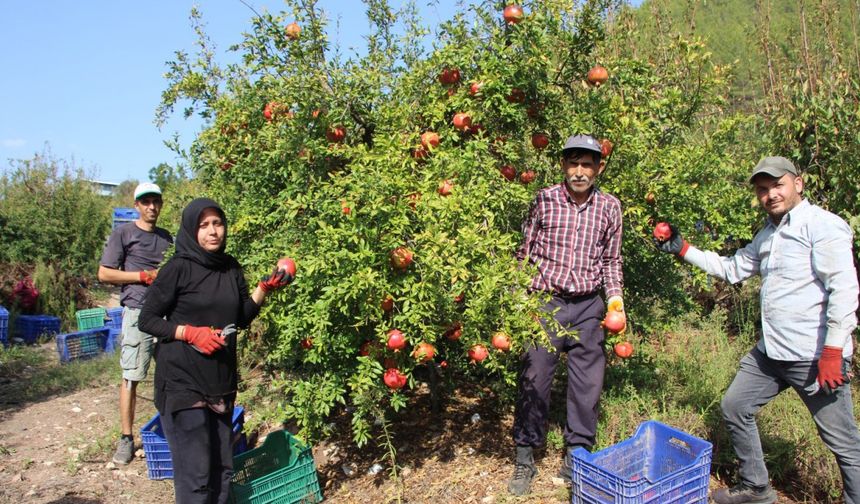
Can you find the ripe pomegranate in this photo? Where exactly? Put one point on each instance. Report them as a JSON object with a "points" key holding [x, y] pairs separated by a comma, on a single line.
{"points": [[475, 88], [449, 76], [462, 121], [513, 14], [615, 322], [650, 198], [387, 304], [540, 141], [527, 177], [459, 298], [445, 187], [424, 352], [400, 258], [662, 231], [307, 343], [597, 76], [429, 140], [454, 331], [288, 264], [605, 148], [420, 153], [335, 134], [501, 341], [394, 379], [413, 199], [396, 340], [271, 110], [475, 129], [293, 31], [516, 96], [508, 172], [364, 349], [478, 353], [623, 349]]}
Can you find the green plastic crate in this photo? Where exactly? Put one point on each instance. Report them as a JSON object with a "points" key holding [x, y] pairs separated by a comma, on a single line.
{"points": [[280, 471], [91, 319]]}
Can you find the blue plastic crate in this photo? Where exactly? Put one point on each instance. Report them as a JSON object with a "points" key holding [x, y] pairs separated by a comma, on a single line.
{"points": [[113, 318], [82, 344], [125, 213], [4, 326], [658, 464], [113, 341], [159, 462], [30, 327]]}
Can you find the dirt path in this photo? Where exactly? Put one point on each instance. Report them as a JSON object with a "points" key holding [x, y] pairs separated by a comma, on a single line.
{"points": [[56, 454]]}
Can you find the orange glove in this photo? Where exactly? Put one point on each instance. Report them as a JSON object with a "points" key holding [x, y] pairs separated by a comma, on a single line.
{"points": [[204, 339], [147, 277], [615, 303], [830, 368]]}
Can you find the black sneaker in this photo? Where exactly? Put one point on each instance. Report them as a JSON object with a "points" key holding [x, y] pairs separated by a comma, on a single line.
{"points": [[740, 494], [521, 481]]}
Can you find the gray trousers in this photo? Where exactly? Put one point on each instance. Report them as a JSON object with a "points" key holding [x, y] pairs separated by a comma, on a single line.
{"points": [[586, 364], [758, 381]]}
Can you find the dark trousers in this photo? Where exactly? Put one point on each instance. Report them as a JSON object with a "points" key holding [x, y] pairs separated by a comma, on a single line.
{"points": [[586, 364], [199, 441]]}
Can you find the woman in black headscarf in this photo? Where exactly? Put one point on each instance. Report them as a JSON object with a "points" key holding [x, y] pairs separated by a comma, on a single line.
{"points": [[192, 309]]}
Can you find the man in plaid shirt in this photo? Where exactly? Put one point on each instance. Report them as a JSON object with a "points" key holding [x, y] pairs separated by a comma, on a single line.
{"points": [[573, 236]]}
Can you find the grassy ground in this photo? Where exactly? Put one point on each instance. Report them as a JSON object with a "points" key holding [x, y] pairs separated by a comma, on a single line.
{"points": [[677, 375]]}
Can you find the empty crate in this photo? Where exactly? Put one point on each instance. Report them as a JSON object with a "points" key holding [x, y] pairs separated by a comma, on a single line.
{"points": [[658, 464], [4, 326], [30, 327], [91, 318], [123, 215], [114, 339], [113, 318], [280, 470], [81, 344], [159, 462]]}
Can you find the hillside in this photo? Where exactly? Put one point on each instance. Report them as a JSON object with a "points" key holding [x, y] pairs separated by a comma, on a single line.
{"points": [[744, 33]]}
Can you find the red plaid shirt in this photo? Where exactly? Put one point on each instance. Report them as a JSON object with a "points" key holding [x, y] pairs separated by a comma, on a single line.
{"points": [[577, 249]]}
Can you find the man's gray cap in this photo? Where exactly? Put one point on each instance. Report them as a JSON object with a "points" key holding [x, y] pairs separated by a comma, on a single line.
{"points": [[585, 142], [775, 166]]}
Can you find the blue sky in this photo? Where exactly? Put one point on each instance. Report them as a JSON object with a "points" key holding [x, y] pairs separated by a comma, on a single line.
{"points": [[84, 77]]}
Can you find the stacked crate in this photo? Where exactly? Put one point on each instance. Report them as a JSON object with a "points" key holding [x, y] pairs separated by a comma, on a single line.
{"points": [[658, 465], [113, 322], [4, 326], [159, 461], [30, 327], [82, 344], [91, 318], [124, 215]]}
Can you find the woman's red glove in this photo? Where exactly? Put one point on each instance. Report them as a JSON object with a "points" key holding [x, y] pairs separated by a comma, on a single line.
{"points": [[278, 279], [204, 339]]}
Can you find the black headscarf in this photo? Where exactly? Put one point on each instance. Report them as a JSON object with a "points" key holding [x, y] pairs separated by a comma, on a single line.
{"points": [[186, 239]]}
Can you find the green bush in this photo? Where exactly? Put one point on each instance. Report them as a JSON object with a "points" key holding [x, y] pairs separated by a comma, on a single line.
{"points": [[49, 212]]}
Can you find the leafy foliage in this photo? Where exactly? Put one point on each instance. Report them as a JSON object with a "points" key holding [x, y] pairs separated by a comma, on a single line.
{"points": [[292, 187], [50, 213]]}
